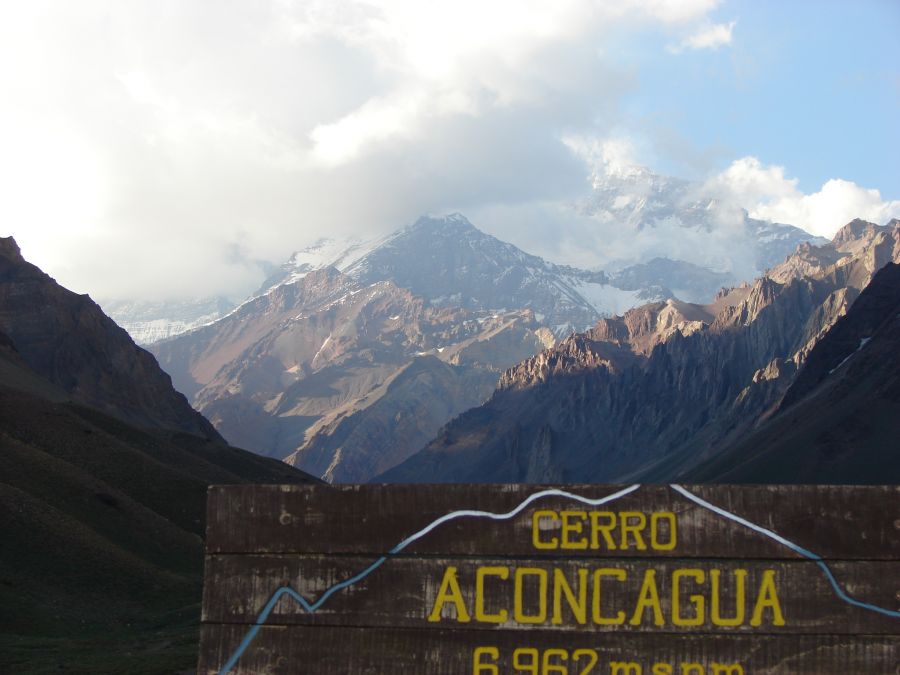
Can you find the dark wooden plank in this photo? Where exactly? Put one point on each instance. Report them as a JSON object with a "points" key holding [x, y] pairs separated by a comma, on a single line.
{"points": [[833, 522], [404, 591], [358, 651], [265, 538]]}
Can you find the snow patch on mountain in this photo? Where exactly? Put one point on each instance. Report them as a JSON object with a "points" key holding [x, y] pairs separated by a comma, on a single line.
{"points": [[148, 322], [862, 343], [609, 300], [337, 252]]}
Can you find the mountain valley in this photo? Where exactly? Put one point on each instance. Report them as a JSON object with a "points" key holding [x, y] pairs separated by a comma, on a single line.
{"points": [[355, 353]]}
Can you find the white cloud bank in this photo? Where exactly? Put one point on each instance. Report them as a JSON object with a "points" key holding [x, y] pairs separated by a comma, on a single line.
{"points": [[634, 214], [163, 149], [160, 149], [768, 194]]}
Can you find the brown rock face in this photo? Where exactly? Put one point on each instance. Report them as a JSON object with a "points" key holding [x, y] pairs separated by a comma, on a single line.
{"points": [[663, 388], [839, 420], [67, 339], [365, 437], [345, 379]]}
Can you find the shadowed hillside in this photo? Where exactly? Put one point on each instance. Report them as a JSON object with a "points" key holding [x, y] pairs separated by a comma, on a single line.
{"points": [[101, 555], [838, 422]]}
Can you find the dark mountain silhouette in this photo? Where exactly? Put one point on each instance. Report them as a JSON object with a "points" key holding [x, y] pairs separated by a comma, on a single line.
{"points": [[67, 339], [102, 490]]}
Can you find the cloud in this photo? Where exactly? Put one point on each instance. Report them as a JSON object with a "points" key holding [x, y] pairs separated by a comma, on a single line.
{"points": [[634, 214], [143, 147], [631, 215], [710, 36], [768, 194], [609, 156]]}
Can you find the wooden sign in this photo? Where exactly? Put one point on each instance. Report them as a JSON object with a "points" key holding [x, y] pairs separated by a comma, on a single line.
{"points": [[574, 580]]}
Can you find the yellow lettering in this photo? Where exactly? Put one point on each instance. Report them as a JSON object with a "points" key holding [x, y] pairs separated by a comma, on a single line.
{"points": [[632, 526], [552, 542], [663, 669], [622, 668], [591, 660], [480, 613], [449, 593], [648, 599], [518, 605], [655, 543], [547, 668], [727, 669], [695, 668], [479, 667], [740, 578], [572, 523], [767, 598], [605, 529], [598, 617], [561, 587], [696, 600], [635, 528], [531, 664]]}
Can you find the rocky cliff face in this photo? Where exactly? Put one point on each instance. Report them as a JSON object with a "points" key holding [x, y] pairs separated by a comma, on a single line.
{"points": [[68, 340], [367, 436], [667, 385], [345, 377], [839, 420]]}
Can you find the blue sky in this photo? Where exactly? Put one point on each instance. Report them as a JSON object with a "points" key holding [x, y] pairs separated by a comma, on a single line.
{"points": [[810, 85], [160, 148]]}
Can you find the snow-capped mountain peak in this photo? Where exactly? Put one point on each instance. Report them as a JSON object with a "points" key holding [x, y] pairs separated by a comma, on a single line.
{"points": [[451, 263], [337, 252], [333, 252]]}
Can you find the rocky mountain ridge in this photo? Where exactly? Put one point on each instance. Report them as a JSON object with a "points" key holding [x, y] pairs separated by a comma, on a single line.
{"points": [[68, 340], [688, 242], [322, 356], [838, 420], [451, 263], [318, 367], [448, 261], [104, 470], [665, 380]]}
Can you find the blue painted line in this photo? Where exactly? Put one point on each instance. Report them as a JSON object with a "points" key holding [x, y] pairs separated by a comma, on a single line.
{"points": [[511, 514], [312, 607], [791, 545]]}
